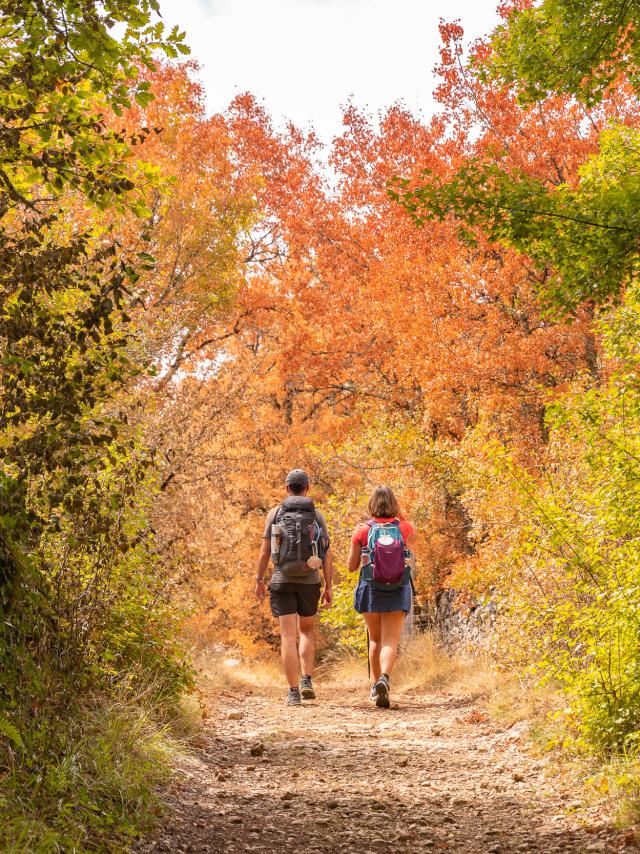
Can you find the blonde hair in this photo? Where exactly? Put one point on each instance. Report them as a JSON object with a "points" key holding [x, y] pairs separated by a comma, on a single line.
{"points": [[383, 504]]}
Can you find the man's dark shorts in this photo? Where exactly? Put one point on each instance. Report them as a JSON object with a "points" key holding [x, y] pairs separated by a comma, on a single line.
{"points": [[293, 598]]}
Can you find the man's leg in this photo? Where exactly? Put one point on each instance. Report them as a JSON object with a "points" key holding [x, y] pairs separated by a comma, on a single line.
{"points": [[374, 626], [289, 647], [307, 628], [391, 629]]}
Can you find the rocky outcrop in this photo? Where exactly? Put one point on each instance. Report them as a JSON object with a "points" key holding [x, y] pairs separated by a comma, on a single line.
{"points": [[457, 624]]}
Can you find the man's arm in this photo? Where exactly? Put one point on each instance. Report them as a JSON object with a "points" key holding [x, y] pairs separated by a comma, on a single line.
{"points": [[263, 563], [327, 571]]}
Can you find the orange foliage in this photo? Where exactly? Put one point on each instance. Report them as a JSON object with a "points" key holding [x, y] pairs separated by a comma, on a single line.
{"points": [[295, 305]]}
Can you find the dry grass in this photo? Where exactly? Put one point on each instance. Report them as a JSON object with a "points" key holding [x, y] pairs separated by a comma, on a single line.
{"points": [[424, 665], [228, 671], [348, 671], [514, 699], [506, 697], [421, 665]]}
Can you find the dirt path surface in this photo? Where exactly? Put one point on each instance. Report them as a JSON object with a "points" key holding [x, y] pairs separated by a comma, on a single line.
{"points": [[338, 775]]}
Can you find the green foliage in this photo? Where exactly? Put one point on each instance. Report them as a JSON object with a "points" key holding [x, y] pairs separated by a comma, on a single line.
{"points": [[63, 290], [347, 626], [571, 577], [87, 782], [84, 605], [11, 733], [60, 65], [621, 778], [571, 47], [571, 525], [584, 237]]}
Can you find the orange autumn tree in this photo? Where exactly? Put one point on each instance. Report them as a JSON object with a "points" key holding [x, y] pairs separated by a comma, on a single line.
{"points": [[341, 337]]}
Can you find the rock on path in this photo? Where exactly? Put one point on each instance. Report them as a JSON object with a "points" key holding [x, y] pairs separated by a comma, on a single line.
{"points": [[338, 775]]}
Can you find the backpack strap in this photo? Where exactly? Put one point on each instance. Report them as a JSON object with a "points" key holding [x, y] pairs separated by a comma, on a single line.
{"points": [[319, 530], [299, 539], [368, 549], [396, 522]]}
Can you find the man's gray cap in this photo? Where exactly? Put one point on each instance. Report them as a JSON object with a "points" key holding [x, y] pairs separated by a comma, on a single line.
{"points": [[297, 477]]}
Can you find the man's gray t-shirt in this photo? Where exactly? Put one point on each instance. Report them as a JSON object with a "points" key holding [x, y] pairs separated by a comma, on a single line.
{"points": [[305, 576]]}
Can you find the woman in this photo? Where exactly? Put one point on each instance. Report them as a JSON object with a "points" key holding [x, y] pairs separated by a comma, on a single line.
{"points": [[383, 610]]}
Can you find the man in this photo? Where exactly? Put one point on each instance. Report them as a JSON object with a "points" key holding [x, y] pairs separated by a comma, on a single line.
{"points": [[296, 539]]}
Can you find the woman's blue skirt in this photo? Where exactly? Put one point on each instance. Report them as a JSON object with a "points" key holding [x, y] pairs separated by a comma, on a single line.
{"points": [[369, 600]]}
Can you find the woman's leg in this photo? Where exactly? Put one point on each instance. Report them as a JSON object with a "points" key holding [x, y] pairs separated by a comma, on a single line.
{"points": [[373, 625], [391, 623]]}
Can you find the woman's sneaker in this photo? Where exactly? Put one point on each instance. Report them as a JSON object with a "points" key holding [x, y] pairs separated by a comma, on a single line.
{"points": [[306, 688], [293, 697], [382, 692]]}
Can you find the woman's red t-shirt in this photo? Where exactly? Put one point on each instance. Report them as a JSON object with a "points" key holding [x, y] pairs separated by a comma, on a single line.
{"points": [[361, 533]]}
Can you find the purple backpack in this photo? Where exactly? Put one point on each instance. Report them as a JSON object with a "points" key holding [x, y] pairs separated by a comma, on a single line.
{"points": [[386, 553]]}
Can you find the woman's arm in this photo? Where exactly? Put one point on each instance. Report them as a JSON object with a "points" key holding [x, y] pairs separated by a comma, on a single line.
{"points": [[355, 555]]}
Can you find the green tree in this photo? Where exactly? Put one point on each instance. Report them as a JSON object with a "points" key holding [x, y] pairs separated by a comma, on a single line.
{"points": [[584, 234], [80, 596], [62, 287], [574, 48], [569, 570], [584, 237], [61, 63], [569, 575]]}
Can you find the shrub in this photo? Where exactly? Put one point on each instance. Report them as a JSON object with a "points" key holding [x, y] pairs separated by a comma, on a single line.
{"points": [[569, 575]]}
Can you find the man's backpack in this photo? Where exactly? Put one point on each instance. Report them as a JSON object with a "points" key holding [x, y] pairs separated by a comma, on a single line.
{"points": [[297, 536], [386, 555]]}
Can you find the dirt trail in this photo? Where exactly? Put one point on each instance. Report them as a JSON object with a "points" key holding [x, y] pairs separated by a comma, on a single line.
{"points": [[338, 775]]}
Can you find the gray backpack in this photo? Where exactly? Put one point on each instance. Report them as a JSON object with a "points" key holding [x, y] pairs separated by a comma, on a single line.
{"points": [[296, 535]]}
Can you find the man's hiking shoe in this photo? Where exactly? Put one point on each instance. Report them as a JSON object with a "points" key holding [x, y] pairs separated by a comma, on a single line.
{"points": [[293, 697], [382, 692], [373, 696], [306, 688]]}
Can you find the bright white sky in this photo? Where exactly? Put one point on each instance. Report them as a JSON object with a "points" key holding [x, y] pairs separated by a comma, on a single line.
{"points": [[307, 58]]}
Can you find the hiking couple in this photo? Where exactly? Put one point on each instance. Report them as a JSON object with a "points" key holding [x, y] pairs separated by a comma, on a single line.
{"points": [[297, 541]]}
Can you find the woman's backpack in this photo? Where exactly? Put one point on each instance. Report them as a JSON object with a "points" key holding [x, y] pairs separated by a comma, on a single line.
{"points": [[297, 536], [386, 554]]}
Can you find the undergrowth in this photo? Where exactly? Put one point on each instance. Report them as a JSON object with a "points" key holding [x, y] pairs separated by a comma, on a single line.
{"points": [[92, 779]]}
